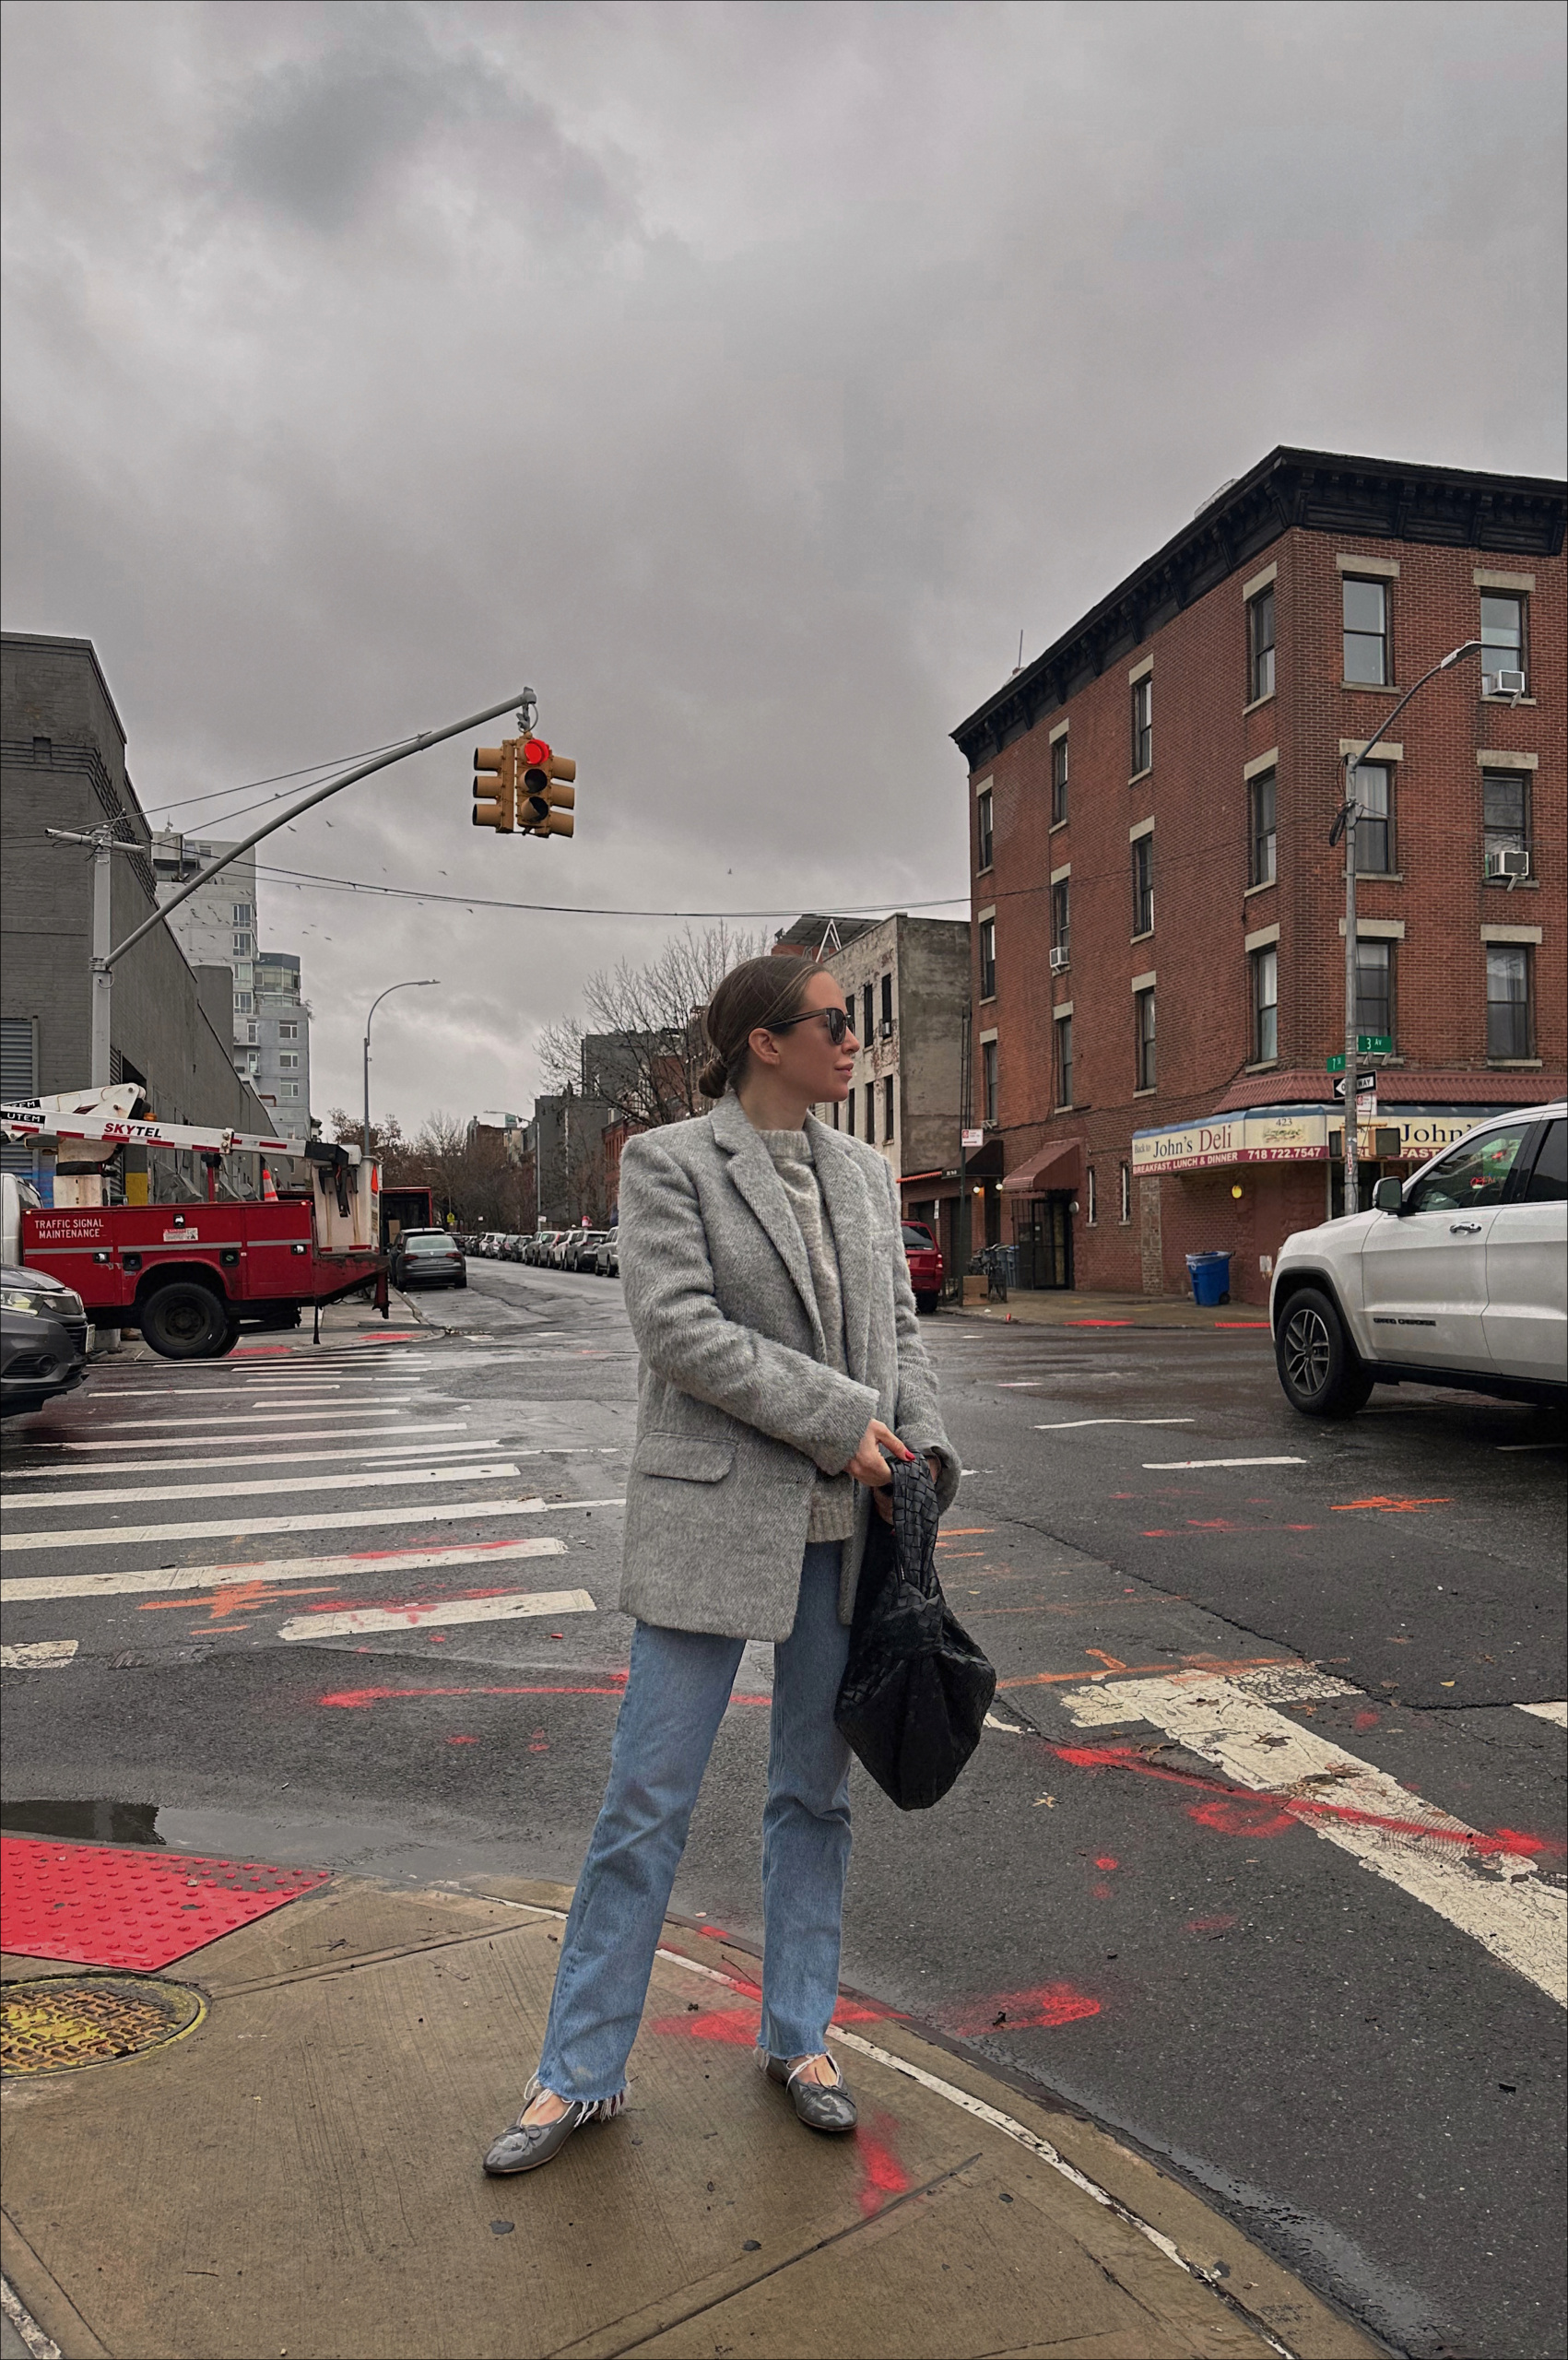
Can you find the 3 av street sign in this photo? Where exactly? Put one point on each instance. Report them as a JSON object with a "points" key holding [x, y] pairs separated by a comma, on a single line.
{"points": [[1367, 1044], [1366, 1085]]}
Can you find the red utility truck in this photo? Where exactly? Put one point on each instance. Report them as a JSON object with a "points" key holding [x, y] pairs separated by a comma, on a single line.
{"points": [[189, 1276]]}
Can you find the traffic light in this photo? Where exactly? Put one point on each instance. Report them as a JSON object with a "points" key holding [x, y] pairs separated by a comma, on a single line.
{"points": [[495, 786], [548, 798]]}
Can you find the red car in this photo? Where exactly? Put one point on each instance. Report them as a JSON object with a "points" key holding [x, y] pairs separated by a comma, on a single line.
{"points": [[924, 1265]]}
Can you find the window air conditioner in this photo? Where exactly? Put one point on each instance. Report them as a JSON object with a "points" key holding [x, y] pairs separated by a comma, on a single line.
{"points": [[1503, 684], [887, 1028], [1512, 864], [1059, 958]]}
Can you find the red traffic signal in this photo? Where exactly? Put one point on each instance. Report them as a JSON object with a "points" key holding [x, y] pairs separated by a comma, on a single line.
{"points": [[548, 797]]}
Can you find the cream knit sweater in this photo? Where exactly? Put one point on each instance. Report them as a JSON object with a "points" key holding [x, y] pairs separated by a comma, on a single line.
{"points": [[833, 1502]]}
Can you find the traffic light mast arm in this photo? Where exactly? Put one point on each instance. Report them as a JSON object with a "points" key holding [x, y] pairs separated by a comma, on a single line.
{"points": [[306, 803]]}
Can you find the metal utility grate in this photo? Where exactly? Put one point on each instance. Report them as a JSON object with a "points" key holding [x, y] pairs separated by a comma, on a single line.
{"points": [[101, 1905], [55, 2026]]}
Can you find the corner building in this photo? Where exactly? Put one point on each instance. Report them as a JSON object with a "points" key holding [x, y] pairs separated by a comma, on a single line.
{"points": [[1159, 915]]}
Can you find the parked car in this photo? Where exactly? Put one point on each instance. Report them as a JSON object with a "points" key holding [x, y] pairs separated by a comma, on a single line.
{"points": [[607, 1256], [44, 1339], [924, 1265], [538, 1246], [1456, 1277], [575, 1243], [427, 1258], [511, 1248]]}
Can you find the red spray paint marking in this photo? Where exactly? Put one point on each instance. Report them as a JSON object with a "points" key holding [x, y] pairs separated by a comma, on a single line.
{"points": [[881, 2174], [1240, 1810], [1210, 1925], [359, 1699], [1039, 2009], [1107, 1862], [463, 1741], [1368, 1720], [1097, 1323], [1243, 1322], [1387, 1506]]}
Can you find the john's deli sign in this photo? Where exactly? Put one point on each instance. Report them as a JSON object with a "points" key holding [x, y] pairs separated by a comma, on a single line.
{"points": [[1278, 1134]]}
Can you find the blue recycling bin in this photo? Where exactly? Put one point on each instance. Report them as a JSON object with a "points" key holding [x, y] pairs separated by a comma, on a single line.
{"points": [[1210, 1276]]}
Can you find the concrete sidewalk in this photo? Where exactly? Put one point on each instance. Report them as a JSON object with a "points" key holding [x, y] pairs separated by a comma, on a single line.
{"points": [[1068, 1307], [297, 2174]]}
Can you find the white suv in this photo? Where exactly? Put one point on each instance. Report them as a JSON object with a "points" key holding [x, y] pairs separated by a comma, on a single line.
{"points": [[1456, 1277]]}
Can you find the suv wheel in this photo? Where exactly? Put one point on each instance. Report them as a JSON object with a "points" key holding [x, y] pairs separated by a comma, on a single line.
{"points": [[1318, 1367], [185, 1321]]}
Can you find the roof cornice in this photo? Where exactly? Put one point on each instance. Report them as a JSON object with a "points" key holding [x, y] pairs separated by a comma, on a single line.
{"points": [[1321, 491]]}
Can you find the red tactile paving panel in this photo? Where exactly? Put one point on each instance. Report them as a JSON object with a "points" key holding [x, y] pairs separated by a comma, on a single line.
{"points": [[113, 1905]]}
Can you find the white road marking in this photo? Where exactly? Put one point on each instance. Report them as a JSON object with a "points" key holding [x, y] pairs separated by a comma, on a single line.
{"points": [[1494, 1896], [460, 1610], [228, 1421], [1558, 1712], [379, 1562], [134, 1535], [1062, 1424], [372, 1480], [250, 1395], [38, 1654], [1159, 1464], [259, 1442], [1517, 1446], [262, 1457]]}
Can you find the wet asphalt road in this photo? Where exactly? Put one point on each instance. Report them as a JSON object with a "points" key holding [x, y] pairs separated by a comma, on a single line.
{"points": [[1104, 1912]]}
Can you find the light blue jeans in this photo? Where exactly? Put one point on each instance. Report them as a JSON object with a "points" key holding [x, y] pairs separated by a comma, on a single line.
{"points": [[675, 1695]]}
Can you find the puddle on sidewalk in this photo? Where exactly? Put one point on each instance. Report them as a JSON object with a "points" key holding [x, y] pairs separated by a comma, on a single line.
{"points": [[98, 1821]]}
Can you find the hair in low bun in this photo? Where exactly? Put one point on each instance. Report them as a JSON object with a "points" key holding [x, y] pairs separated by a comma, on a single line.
{"points": [[757, 993]]}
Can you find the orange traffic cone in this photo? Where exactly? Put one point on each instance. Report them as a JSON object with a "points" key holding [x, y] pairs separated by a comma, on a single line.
{"points": [[269, 1194]]}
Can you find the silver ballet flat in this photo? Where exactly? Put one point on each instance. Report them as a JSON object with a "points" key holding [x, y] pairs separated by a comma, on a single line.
{"points": [[821, 2105], [524, 2146]]}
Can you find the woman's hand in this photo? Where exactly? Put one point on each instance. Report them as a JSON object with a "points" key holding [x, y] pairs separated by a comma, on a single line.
{"points": [[868, 1466]]}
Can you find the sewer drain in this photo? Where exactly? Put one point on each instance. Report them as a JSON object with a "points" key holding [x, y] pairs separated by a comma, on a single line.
{"points": [[62, 2022]]}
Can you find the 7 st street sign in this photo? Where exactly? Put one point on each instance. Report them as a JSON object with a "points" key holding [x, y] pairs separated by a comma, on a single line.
{"points": [[1367, 1044]]}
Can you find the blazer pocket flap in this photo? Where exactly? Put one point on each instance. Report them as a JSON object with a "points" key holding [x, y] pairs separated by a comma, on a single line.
{"points": [[686, 1457]]}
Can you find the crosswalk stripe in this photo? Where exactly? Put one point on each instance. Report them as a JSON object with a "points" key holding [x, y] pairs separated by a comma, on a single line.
{"points": [[258, 1443], [32, 1588], [372, 1480], [132, 1535], [355, 1621], [1060, 1425], [1427, 1853], [228, 1419], [381, 1448], [38, 1654], [1159, 1464], [251, 1395]]}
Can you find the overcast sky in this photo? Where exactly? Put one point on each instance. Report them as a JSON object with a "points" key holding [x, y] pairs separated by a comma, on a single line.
{"points": [[744, 378]]}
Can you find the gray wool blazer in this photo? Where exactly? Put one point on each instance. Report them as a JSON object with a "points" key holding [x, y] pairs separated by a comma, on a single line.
{"points": [[737, 1407]]}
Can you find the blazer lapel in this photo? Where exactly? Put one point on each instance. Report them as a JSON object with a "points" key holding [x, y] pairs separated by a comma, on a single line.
{"points": [[844, 1193], [751, 1169]]}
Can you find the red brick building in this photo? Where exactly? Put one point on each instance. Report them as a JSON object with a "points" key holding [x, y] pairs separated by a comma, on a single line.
{"points": [[1159, 915]]}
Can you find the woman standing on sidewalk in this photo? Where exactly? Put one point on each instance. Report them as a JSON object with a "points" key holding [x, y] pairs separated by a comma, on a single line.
{"points": [[763, 1262]]}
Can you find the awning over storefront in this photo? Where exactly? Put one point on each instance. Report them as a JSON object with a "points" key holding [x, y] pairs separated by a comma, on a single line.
{"points": [[1059, 1165]]}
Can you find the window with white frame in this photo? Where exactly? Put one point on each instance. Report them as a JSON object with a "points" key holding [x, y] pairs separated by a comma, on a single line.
{"points": [[1089, 1212], [244, 914], [1365, 614], [1374, 986], [1143, 885], [1143, 723], [1371, 784], [1064, 1030], [1508, 1027], [1059, 780], [983, 830], [987, 958], [1501, 634], [245, 944], [288, 1061], [1263, 828], [1260, 645], [1265, 1006], [287, 1032], [1143, 1037], [988, 1080], [1125, 1214]]}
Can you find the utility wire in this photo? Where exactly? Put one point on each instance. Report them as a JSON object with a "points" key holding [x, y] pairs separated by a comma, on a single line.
{"points": [[182, 802]]}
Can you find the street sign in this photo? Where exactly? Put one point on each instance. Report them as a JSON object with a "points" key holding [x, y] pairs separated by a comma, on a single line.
{"points": [[1367, 1044], [1366, 1085], [973, 1139]]}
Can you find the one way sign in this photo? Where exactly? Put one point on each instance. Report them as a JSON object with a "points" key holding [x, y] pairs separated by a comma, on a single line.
{"points": [[1366, 1085]]}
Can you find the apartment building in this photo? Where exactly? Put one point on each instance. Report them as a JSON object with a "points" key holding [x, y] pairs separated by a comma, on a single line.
{"points": [[220, 927], [1158, 963]]}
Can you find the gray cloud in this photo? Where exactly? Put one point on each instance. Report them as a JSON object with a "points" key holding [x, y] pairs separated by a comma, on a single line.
{"points": [[744, 378]]}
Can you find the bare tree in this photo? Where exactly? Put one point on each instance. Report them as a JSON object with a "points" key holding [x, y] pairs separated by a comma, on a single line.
{"points": [[641, 1045]]}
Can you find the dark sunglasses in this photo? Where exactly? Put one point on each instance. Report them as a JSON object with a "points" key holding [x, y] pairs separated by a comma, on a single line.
{"points": [[835, 1019]]}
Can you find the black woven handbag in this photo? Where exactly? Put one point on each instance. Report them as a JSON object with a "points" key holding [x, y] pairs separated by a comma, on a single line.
{"points": [[917, 1688]]}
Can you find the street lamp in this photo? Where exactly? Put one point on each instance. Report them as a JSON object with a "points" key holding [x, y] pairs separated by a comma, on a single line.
{"points": [[414, 984], [1345, 825]]}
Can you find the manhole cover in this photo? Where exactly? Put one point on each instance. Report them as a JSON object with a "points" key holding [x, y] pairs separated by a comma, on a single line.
{"points": [[66, 2021]]}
